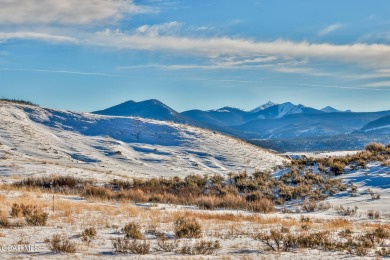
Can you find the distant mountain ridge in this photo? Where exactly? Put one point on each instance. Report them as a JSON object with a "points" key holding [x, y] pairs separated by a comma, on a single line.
{"points": [[269, 121], [262, 107], [380, 125], [152, 109]]}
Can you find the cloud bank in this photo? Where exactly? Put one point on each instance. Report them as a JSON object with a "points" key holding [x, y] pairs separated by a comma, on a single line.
{"points": [[367, 55], [65, 11]]}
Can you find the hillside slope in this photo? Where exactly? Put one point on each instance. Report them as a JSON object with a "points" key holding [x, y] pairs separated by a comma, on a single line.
{"points": [[37, 140], [381, 125]]}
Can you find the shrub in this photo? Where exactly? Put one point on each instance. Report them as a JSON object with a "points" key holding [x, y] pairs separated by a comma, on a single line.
{"points": [[187, 228], [33, 215], [123, 245], [97, 192], [4, 222], [313, 205], [262, 205], [37, 218], [373, 214], [60, 244], [204, 247], [346, 211], [337, 168], [88, 234], [383, 252], [361, 251], [19, 210], [273, 240], [57, 183], [166, 245], [375, 147], [133, 231]]}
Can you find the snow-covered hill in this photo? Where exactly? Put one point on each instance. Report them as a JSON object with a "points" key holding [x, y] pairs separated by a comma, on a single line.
{"points": [[37, 140]]}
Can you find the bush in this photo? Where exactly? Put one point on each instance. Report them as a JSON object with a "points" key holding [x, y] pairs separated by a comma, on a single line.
{"points": [[60, 244], [123, 245], [4, 222], [88, 234], [187, 228], [57, 183], [373, 214], [346, 211], [337, 168], [262, 205], [19, 210], [313, 205], [166, 245], [33, 215], [133, 231], [37, 218], [202, 247], [375, 147], [383, 252], [97, 192]]}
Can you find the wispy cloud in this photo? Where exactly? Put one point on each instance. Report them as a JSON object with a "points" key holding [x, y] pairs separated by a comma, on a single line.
{"points": [[379, 84], [63, 72], [374, 55], [329, 29], [226, 52], [66, 11], [339, 87], [155, 30], [37, 36]]}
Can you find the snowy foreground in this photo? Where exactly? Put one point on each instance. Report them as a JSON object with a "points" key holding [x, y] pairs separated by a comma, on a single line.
{"points": [[36, 141]]}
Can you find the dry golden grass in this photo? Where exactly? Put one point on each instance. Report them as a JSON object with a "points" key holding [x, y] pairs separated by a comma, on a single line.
{"points": [[27, 198], [336, 224], [229, 217]]}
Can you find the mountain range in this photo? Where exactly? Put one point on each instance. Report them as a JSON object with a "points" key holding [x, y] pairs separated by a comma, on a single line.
{"points": [[272, 124]]}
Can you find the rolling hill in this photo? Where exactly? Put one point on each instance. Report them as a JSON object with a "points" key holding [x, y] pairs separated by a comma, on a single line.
{"points": [[37, 140]]}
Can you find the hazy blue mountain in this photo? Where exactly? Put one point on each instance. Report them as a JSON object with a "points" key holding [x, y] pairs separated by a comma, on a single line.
{"points": [[308, 124], [285, 109], [329, 109], [381, 125], [153, 109], [226, 116], [282, 126], [262, 107]]}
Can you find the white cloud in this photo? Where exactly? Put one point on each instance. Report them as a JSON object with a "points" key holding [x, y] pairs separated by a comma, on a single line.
{"points": [[329, 29], [64, 72], [339, 87], [367, 55], [37, 36], [224, 51], [379, 84], [65, 11], [155, 30]]}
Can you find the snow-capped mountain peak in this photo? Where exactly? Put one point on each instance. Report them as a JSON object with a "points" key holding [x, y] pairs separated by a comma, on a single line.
{"points": [[262, 107], [329, 109], [289, 108]]}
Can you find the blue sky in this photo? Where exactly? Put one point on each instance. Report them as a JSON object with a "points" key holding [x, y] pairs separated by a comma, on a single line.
{"points": [[91, 54]]}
